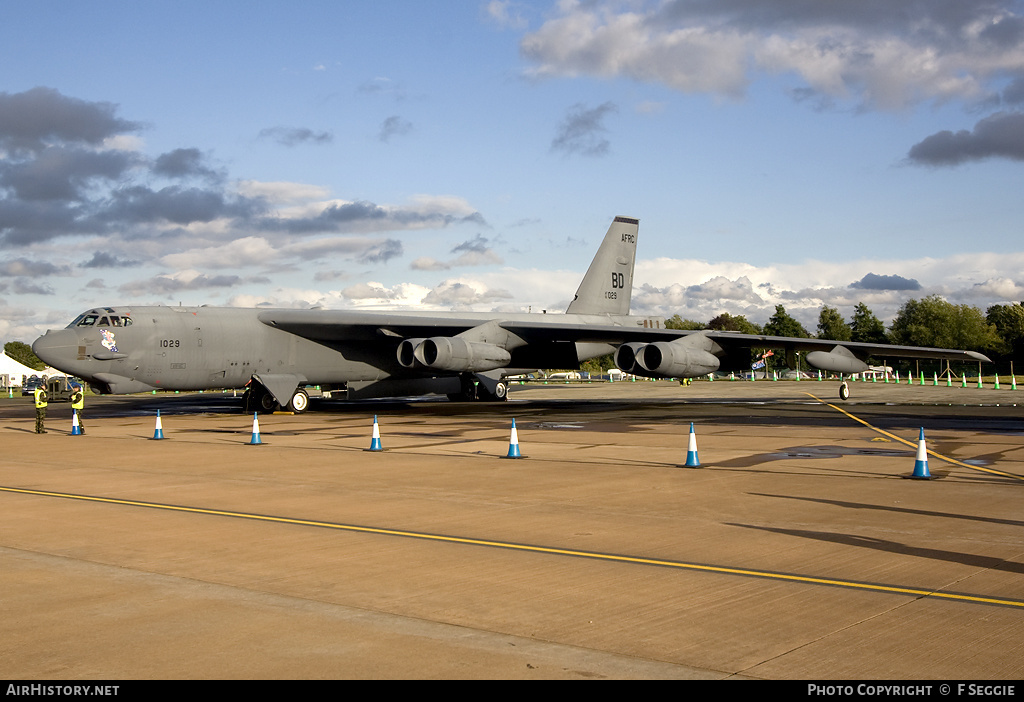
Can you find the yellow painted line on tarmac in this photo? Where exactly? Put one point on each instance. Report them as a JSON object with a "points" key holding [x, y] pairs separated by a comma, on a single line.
{"points": [[913, 444], [874, 587]]}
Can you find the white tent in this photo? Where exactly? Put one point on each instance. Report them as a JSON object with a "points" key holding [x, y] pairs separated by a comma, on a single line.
{"points": [[15, 370]]}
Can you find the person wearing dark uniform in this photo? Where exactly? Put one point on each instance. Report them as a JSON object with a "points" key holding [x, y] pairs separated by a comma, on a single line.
{"points": [[78, 404], [40, 395]]}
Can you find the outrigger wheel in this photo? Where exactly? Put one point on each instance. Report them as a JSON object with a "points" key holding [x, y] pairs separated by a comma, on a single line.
{"points": [[844, 390]]}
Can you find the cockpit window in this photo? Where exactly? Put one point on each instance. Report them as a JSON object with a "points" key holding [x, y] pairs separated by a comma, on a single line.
{"points": [[86, 320], [93, 318]]}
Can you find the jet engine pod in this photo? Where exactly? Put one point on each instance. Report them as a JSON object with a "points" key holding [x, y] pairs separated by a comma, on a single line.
{"points": [[626, 358], [407, 352], [672, 359], [838, 360], [451, 353]]}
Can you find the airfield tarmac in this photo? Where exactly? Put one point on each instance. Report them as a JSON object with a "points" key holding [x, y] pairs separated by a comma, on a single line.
{"points": [[798, 550]]}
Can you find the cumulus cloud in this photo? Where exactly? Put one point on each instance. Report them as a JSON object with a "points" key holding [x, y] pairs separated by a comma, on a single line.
{"points": [[295, 136], [980, 279], [24, 286], [60, 178], [999, 288], [31, 120], [394, 126], [27, 267], [463, 295], [169, 283], [998, 136], [102, 259], [582, 131], [474, 252], [872, 281], [370, 291], [184, 163], [505, 14], [875, 53]]}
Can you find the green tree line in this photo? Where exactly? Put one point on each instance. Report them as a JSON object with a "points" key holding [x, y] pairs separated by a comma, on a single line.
{"points": [[932, 322]]}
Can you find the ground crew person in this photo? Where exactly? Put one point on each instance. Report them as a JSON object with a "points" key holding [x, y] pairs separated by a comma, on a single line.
{"points": [[40, 395], [78, 404]]}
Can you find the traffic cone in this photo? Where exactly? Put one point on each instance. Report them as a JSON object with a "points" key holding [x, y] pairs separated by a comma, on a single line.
{"points": [[158, 433], [255, 441], [921, 464], [375, 438], [75, 429], [997, 381], [691, 450], [897, 377], [963, 380], [1013, 382], [513, 443], [980, 386]]}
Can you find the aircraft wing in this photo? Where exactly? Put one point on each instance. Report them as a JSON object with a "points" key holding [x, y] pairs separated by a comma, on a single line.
{"points": [[359, 325], [611, 334]]}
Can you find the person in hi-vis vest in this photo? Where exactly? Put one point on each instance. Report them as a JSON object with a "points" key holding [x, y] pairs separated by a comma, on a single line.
{"points": [[78, 404], [40, 395]]}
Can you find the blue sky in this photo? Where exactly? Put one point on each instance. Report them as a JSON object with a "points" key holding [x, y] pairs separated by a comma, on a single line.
{"points": [[471, 154]]}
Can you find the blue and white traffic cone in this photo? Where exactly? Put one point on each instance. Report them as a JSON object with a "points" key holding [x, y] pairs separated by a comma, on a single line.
{"points": [[255, 441], [158, 433], [375, 437], [513, 443], [691, 450], [921, 464], [75, 429]]}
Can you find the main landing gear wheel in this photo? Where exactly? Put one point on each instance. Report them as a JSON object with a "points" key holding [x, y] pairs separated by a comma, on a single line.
{"points": [[267, 402], [844, 391], [500, 393], [299, 402]]}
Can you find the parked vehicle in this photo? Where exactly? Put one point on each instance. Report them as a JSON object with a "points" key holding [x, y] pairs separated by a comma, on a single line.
{"points": [[31, 384], [59, 388]]}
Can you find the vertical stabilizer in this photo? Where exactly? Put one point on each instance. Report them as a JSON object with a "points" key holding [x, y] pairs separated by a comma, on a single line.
{"points": [[608, 284]]}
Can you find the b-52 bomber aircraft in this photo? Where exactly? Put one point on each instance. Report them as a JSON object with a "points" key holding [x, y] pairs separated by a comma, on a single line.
{"points": [[277, 353]]}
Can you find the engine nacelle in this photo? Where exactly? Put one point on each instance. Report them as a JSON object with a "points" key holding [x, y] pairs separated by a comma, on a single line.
{"points": [[665, 359], [407, 352], [668, 359], [626, 358], [451, 353], [838, 360]]}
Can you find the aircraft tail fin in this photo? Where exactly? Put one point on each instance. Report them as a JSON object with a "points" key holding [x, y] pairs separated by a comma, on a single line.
{"points": [[608, 284]]}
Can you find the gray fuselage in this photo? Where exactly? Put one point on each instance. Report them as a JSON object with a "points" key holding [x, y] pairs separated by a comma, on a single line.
{"points": [[134, 349]]}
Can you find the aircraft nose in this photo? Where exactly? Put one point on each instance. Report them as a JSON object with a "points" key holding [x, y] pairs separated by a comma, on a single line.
{"points": [[55, 346]]}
